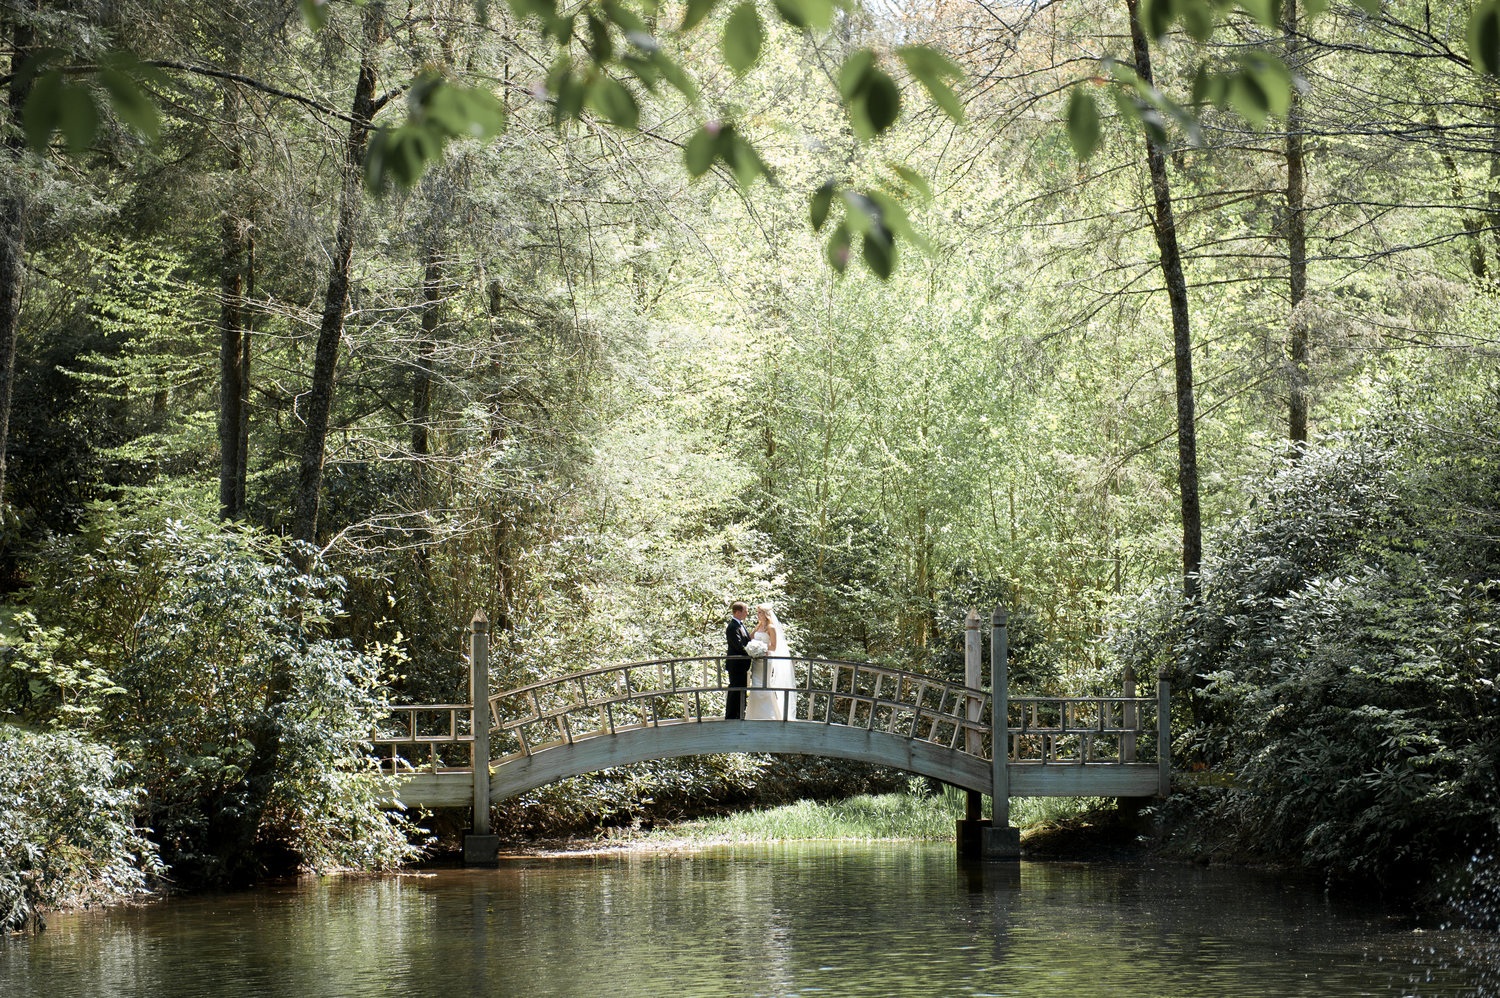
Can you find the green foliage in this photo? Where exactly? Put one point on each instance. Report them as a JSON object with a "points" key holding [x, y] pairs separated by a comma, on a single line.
{"points": [[67, 827], [1350, 647], [1256, 84], [439, 110], [201, 658]]}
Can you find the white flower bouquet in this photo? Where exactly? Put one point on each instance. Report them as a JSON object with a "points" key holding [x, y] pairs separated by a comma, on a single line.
{"points": [[757, 649]]}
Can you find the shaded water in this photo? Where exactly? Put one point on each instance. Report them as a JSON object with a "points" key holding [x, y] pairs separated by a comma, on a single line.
{"points": [[782, 920]]}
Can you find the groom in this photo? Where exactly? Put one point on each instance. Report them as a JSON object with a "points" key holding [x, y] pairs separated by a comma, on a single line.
{"points": [[737, 660]]}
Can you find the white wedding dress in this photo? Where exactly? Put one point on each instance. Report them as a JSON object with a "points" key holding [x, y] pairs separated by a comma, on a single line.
{"points": [[769, 677]]}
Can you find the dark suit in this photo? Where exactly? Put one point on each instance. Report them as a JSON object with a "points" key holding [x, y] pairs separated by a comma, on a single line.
{"points": [[737, 664]]}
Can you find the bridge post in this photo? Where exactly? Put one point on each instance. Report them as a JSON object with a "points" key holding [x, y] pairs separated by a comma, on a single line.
{"points": [[1001, 841], [972, 824], [1164, 734], [480, 847]]}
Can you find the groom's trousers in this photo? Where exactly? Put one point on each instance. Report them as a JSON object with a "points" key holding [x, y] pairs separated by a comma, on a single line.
{"points": [[739, 681]]}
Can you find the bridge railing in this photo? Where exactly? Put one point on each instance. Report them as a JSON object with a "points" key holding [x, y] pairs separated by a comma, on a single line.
{"points": [[1074, 730], [633, 695], [437, 738]]}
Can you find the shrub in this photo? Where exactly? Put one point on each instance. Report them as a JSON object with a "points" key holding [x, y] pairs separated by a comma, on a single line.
{"points": [[200, 655], [67, 835], [1346, 650]]}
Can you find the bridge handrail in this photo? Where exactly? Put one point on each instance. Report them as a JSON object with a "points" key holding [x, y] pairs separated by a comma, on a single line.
{"points": [[454, 736], [1051, 729], [556, 718]]}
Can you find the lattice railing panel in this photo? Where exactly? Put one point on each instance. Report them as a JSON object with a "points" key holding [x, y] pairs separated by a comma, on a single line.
{"points": [[1083, 729]]}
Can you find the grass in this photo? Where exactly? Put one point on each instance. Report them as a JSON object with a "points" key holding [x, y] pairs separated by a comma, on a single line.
{"points": [[914, 815]]}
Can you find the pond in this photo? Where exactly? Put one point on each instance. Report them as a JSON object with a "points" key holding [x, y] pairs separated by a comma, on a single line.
{"points": [[831, 919]]}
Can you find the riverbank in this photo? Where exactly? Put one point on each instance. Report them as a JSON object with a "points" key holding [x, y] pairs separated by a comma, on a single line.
{"points": [[1085, 828]]}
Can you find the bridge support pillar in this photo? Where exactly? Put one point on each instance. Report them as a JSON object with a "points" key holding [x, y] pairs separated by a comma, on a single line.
{"points": [[480, 847], [997, 839]]}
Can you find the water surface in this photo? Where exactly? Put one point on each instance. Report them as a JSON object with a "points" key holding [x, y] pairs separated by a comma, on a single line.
{"points": [[783, 920]]}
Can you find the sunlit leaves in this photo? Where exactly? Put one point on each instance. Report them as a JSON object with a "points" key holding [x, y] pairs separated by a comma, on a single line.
{"points": [[439, 111], [1484, 37]]}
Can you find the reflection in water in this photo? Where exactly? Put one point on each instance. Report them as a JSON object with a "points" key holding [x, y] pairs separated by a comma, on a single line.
{"points": [[775, 921]]}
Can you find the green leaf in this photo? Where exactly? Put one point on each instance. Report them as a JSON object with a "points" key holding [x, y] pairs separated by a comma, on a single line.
{"points": [[806, 13], [1371, 7], [822, 203], [1083, 122], [1210, 87], [40, 116], [400, 156], [838, 248], [743, 37], [1261, 87], [674, 74], [1484, 37], [77, 117], [934, 70], [880, 253], [130, 104], [601, 45], [742, 158], [877, 106], [628, 20], [315, 13], [914, 181], [1157, 16], [701, 151], [852, 73], [543, 10], [1199, 20], [695, 12], [1267, 12], [609, 97]]}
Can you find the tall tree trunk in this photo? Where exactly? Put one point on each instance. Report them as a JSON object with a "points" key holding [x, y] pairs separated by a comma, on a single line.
{"points": [[1296, 243], [237, 834], [421, 393], [242, 466], [336, 295], [1165, 225], [231, 360], [233, 236], [1492, 97], [13, 208]]}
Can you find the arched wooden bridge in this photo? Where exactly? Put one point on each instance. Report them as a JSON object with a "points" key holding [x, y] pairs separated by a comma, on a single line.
{"points": [[1108, 746]]}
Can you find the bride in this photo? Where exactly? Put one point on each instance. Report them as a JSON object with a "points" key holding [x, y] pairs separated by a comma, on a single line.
{"points": [[772, 674]]}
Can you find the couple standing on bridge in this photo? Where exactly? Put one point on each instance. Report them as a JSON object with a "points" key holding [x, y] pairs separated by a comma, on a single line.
{"points": [[759, 665]]}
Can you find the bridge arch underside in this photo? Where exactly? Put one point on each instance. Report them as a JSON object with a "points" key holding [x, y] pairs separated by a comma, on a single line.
{"points": [[548, 765]]}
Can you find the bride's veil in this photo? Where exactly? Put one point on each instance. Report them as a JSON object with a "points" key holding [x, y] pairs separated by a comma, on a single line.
{"points": [[780, 674]]}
